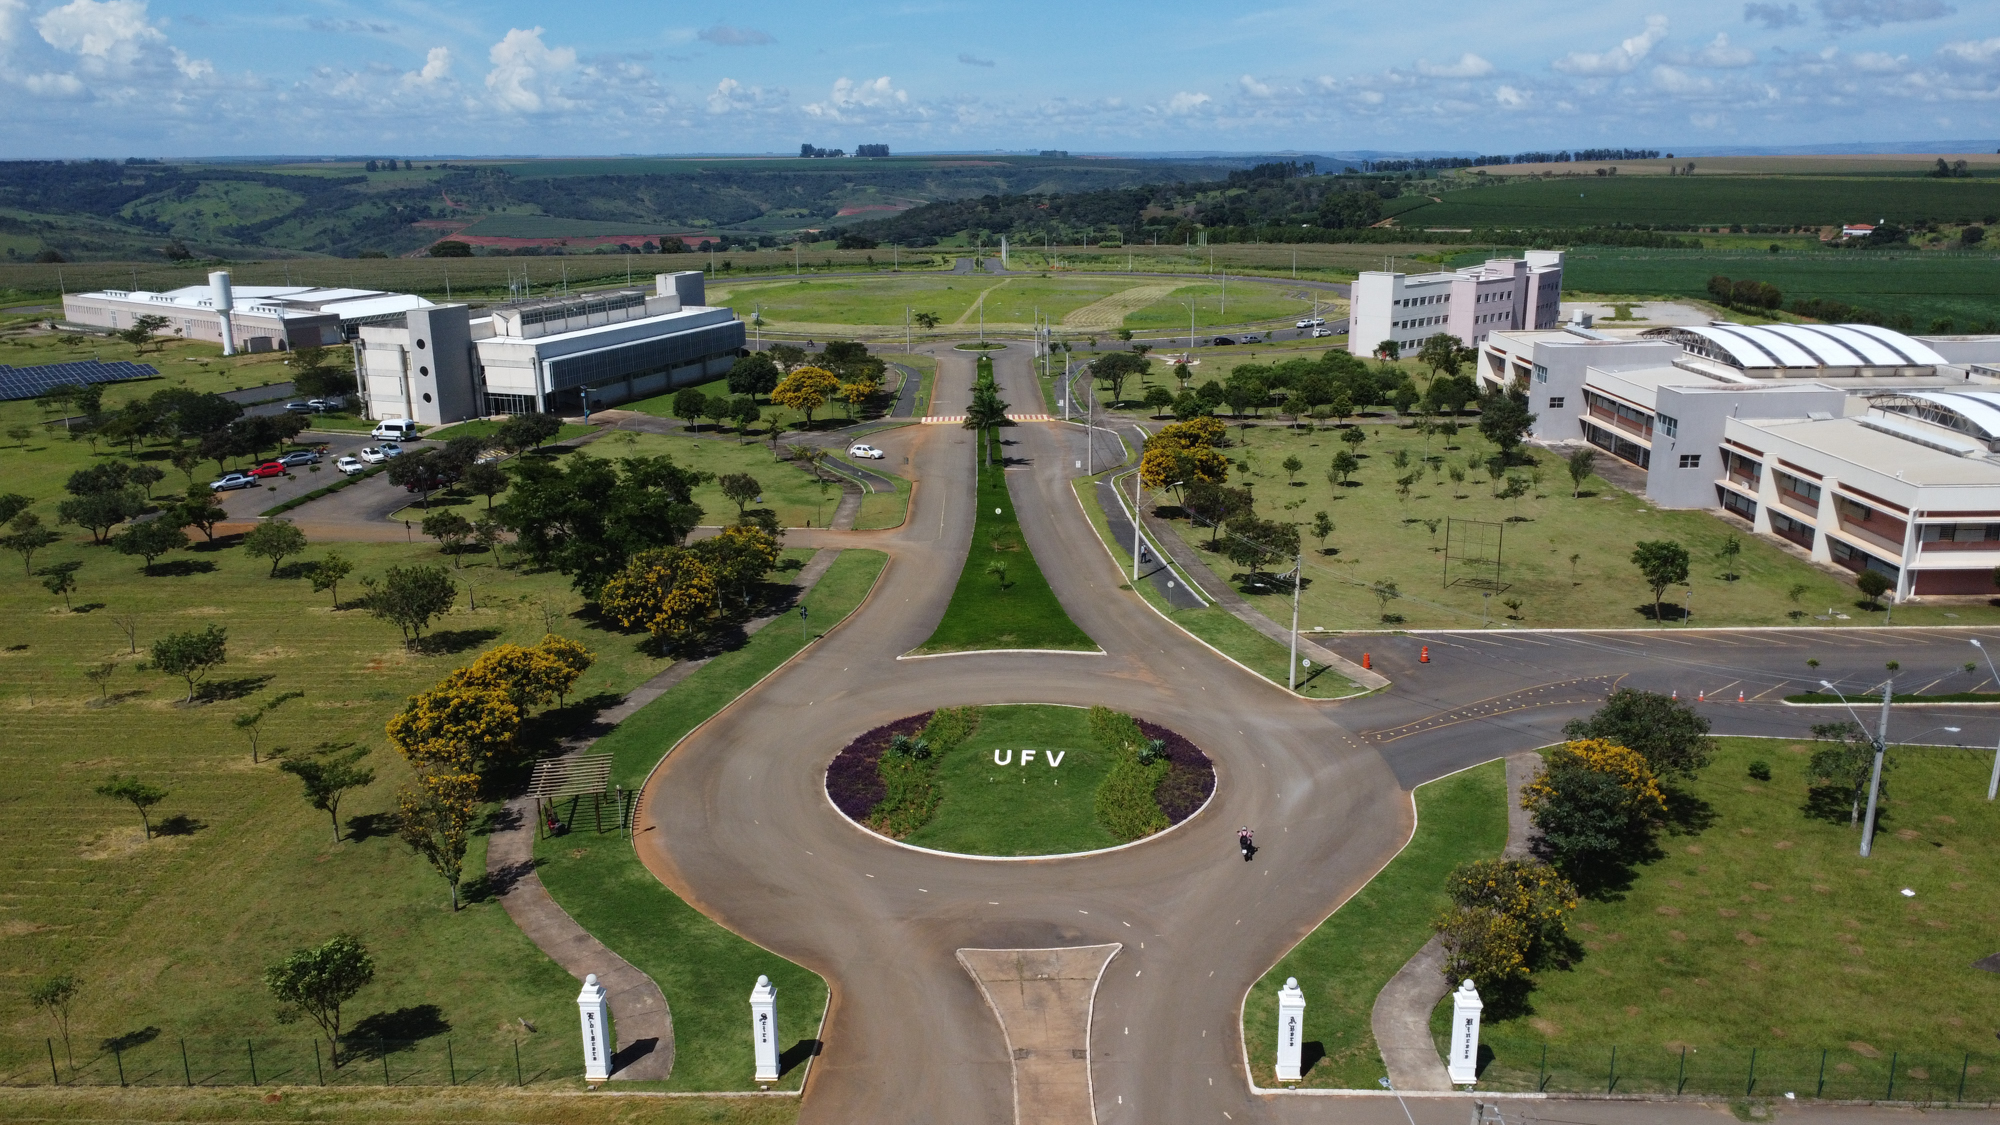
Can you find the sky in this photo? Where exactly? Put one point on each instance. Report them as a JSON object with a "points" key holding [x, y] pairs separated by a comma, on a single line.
{"points": [[120, 78]]}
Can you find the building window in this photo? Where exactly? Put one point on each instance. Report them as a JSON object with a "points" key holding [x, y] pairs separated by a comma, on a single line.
{"points": [[1541, 374], [1690, 460], [510, 404], [1670, 425], [1803, 489], [1734, 503], [1555, 402], [1855, 559], [1797, 532]]}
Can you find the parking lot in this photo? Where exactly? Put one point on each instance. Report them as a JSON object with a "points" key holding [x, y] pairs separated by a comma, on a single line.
{"points": [[246, 503]]}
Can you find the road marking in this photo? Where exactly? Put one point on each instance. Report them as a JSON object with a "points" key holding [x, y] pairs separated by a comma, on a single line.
{"points": [[924, 890], [1128, 925], [992, 904], [1141, 972], [870, 876], [1083, 912]]}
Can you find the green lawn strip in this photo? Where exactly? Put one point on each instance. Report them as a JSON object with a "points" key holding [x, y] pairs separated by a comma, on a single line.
{"points": [[338, 483], [1766, 930], [1026, 614], [1344, 964], [396, 1105], [788, 489], [174, 932], [1215, 626], [880, 509], [1379, 535], [926, 381], [704, 970], [487, 427], [1024, 807], [1876, 700], [662, 405]]}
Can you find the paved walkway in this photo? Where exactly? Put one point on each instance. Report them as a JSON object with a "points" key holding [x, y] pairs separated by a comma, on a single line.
{"points": [[1401, 1019], [641, 1020], [1042, 998]]}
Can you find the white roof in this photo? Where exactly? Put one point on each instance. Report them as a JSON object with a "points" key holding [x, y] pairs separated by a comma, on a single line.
{"points": [[1813, 345], [1980, 409]]}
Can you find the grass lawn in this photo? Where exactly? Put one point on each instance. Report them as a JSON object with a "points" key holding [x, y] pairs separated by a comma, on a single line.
{"points": [[1766, 930], [1567, 560], [880, 509], [487, 427], [1039, 807], [1215, 626], [983, 615], [702, 968], [173, 933], [1344, 963], [788, 489], [470, 1105], [926, 369]]}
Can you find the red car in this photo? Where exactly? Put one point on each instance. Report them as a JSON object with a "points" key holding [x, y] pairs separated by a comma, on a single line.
{"points": [[268, 469]]}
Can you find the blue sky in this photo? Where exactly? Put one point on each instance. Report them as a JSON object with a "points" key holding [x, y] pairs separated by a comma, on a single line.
{"points": [[397, 77]]}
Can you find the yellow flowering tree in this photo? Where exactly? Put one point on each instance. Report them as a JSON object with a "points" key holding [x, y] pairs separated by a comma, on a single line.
{"points": [[1595, 804], [434, 817], [1528, 890], [669, 592], [806, 389], [531, 676], [457, 726], [1185, 452]]}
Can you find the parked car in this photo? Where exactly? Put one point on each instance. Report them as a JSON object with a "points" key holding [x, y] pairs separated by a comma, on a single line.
{"points": [[233, 481], [867, 452], [268, 469], [373, 456], [1305, 323], [1318, 332], [400, 429], [324, 404], [390, 449], [299, 457], [301, 407], [1253, 338], [1221, 341], [349, 465]]}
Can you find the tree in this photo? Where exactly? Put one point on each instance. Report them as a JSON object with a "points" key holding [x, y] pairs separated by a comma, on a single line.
{"points": [[150, 539], [435, 820], [1671, 735], [1662, 563], [488, 532], [451, 530], [317, 981], [743, 411], [526, 431], [718, 410], [484, 478], [1158, 399], [985, 414], [1594, 804], [276, 540], [1486, 947], [668, 591], [1841, 771], [191, 655], [688, 404], [1872, 584], [142, 796], [1527, 890], [252, 721], [786, 356], [1504, 419], [25, 536], [327, 573], [1345, 464], [1352, 437], [140, 334], [1254, 544], [806, 389], [740, 488], [588, 517], [55, 995], [1214, 504], [410, 597], [1113, 368], [754, 374], [998, 569], [100, 676], [1385, 591], [424, 471], [1291, 464], [1322, 526], [199, 509], [327, 776], [100, 511], [13, 504], [1580, 465], [926, 320], [1441, 353], [1728, 552], [60, 579]]}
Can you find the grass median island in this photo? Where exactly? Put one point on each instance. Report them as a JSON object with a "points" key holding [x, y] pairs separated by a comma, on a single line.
{"points": [[1002, 599], [1344, 964], [1018, 780], [395, 1106], [704, 969], [1765, 930]]}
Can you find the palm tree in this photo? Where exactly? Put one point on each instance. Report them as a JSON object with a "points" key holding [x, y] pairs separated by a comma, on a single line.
{"points": [[986, 413]]}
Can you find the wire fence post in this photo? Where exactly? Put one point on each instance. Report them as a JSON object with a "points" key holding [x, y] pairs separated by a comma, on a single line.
{"points": [[450, 1062], [1542, 1069], [382, 1049], [55, 1076], [517, 1064], [1891, 1095], [187, 1072], [252, 1049], [1611, 1082], [118, 1057], [1962, 1068], [317, 1068], [1750, 1086], [1820, 1089], [1681, 1080]]}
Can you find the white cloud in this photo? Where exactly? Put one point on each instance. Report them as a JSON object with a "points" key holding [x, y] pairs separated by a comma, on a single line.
{"points": [[849, 98], [1676, 81], [104, 33], [1704, 120], [1620, 59], [1468, 65], [731, 96], [437, 67], [973, 60], [1772, 16], [1972, 52], [1845, 15], [1510, 98], [1255, 88], [10, 20], [53, 85], [192, 69], [1184, 103], [723, 35], [527, 73], [1878, 62], [1720, 53]]}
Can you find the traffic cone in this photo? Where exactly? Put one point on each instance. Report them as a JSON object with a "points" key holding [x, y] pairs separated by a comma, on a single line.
{"points": [[1364, 661], [1701, 697], [1426, 657], [1739, 697], [1677, 695]]}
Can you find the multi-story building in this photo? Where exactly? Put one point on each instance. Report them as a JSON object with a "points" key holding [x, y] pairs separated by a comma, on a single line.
{"points": [[257, 318], [1503, 295], [564, 355], [1858, 446]]}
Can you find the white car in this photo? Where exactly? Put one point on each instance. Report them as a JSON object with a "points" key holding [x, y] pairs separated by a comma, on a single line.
{"points": [[390, 449], [1318, 332], [349, 466], [373, 456], [233, 481], [1252, 338], [1317, 321], [866, 452]]}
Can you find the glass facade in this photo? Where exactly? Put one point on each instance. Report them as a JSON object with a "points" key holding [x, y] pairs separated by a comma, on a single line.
{"points": [[645, 357]]}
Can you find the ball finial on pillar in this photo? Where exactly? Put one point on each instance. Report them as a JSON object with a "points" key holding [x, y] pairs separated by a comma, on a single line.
{"points": [[1291, 1030], [593, 1005], [764, 1028], [1465, 1007]]}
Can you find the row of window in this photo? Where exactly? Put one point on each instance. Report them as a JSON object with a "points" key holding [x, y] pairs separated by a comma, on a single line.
{"points": [[1959, 532], [1798, 486], [1618, 409], [1412, 302]]}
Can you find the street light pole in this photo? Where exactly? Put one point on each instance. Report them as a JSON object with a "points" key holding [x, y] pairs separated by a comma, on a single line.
{"points": [[1298, 579], [1992, 785], [1881, 741]]}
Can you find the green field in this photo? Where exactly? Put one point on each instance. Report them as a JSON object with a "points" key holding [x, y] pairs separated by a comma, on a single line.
{"points": [[1010, 302], [1342, 965], [1381, 537], [1593, 201], [788, 489], [984, 614], [546, 226], [1023, 808], [1765, 930]]}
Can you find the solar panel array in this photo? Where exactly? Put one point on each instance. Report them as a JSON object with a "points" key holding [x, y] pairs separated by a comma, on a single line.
{"points": [[33, 382]]}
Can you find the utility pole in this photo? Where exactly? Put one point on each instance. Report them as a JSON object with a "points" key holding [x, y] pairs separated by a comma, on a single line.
{"points": [[1298, 579], [1135, 529], [1992, 786], [1875, 776]]}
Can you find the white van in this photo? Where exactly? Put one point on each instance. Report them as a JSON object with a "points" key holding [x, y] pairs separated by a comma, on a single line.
{"points": [[395, 429]]}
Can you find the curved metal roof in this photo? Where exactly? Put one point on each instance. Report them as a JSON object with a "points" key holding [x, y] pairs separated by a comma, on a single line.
{"points": [[1809, 345], [1980, 410]]}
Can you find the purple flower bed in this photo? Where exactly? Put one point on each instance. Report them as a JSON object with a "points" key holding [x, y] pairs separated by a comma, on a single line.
{"points": [[852, 779], [1190, 777]]}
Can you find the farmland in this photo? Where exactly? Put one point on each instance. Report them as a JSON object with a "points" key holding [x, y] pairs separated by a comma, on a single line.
{"points": [[1592, 201]]}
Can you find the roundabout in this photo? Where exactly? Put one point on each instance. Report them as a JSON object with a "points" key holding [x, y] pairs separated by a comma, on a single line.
{"points": [[1019, 781]]}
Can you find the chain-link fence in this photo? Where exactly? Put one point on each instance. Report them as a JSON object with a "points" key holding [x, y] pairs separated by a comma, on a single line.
{"points": [[1852, 1072], [154, 1058]]}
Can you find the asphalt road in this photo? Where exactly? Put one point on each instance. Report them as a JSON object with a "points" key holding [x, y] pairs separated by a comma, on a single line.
{"points": [[909, 1037]]}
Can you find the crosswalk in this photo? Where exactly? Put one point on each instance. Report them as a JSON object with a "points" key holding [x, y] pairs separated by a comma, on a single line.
{"points": [[959, 419]]}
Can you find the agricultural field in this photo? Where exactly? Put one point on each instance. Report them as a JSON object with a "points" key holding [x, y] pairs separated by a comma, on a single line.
{"points": [[1602, 201]]}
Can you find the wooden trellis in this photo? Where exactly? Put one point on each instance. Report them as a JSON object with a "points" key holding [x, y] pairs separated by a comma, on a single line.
{"points": [[568, 780]]}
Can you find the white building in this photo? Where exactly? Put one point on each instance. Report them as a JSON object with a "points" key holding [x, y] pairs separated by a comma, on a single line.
{"points": [[1505, 294], [1861, 447], [260, 317], [442, 364]]}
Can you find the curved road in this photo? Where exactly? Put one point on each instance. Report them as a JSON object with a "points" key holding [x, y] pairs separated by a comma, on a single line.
{"points": [[738, 822]]}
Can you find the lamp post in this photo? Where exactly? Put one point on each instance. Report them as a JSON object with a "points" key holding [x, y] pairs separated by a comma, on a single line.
{"points": [[1298, 579], [1993, 784], [1881, 741]]}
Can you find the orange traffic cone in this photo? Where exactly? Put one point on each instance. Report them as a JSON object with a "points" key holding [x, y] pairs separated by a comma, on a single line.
{"points": [[1739, 697], [1677, 695], [1701, 697], [1426, 657], [1364, 661]]}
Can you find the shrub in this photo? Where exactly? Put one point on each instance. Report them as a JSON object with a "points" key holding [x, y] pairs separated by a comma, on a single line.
{"points": [[1594, 804], [1125, 803], [909, 779], [1528, 891], [1760, 770], [1488, 948]]}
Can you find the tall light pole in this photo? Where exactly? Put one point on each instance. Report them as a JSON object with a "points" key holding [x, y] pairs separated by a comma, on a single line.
{"points": [[1298, 579], [1881, 741], [1992, 785]]}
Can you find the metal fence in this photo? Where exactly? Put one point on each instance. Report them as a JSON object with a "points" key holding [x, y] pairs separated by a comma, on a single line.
{"points": [[152, 1058], [1846, 1073]]}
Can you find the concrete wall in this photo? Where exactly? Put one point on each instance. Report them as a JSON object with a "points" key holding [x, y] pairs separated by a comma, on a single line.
{"points": [[442, 358], [1699, 416]]}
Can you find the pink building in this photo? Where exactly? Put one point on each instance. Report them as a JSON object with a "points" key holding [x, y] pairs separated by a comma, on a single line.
{"points": [[1503, 295]]}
